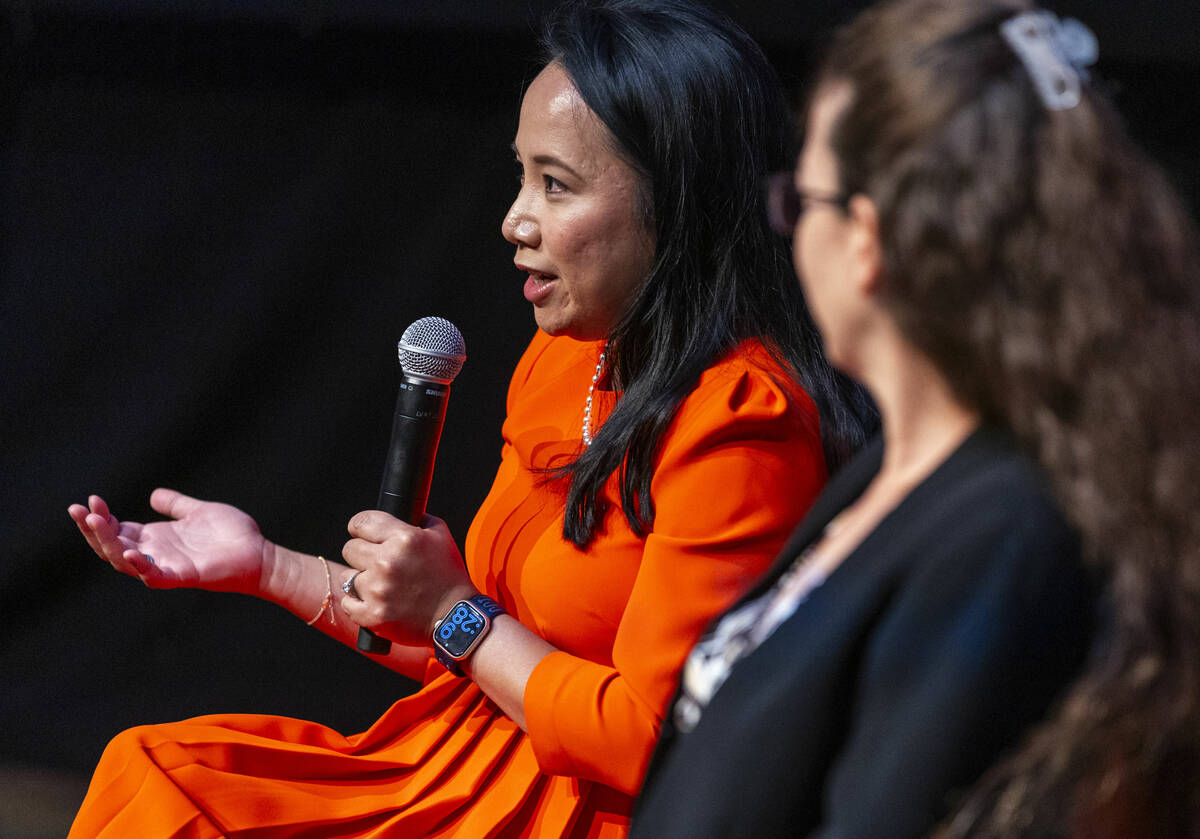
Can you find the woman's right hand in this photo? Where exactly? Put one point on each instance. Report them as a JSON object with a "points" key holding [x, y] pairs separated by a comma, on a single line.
{"points": [[205, 544]]}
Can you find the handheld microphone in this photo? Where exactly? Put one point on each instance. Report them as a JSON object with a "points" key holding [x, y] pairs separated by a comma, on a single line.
{"points": [[431, 351]]}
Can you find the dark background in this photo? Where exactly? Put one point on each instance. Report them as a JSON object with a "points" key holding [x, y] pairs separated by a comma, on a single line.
{"points": [[218, 218]]}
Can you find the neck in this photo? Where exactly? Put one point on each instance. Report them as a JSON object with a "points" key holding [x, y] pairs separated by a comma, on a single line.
{"points": [[923, 420]]}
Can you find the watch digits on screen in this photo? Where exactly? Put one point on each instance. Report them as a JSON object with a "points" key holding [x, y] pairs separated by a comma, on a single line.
{"points": [[459, 630], [458, 633]]}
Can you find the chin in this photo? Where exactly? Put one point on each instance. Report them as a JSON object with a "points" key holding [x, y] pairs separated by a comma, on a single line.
{"points": [[551, 328], [568, 329]]}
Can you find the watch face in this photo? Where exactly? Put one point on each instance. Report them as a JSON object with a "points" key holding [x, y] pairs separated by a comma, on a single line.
{"points": [[460, 629]]}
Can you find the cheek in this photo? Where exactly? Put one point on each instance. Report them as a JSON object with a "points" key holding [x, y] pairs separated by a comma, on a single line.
{"points": [[629, 261], [603, 254], [802, 257], [608, 255], [572, 241], [811, 259], [797, 260]]}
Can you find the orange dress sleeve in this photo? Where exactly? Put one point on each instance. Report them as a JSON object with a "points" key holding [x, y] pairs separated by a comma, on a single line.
{"points": [[740, 464]]}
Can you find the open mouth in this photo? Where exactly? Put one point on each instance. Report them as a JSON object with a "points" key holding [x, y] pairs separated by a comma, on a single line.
{"points": [[538, 286]]}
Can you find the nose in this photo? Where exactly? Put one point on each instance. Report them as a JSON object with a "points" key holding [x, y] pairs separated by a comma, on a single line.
{"points": [[519, 226]]}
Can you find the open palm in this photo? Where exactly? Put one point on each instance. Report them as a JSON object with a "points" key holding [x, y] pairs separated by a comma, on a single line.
{"points": [[204, 544]]}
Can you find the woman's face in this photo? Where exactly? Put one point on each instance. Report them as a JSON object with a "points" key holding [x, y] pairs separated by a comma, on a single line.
{"points": [[579, 234], [821, 251]]}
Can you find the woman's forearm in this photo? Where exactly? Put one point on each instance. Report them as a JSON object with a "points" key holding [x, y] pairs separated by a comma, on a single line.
{"points": [[503, 662], [311, 587], [501, 665]]}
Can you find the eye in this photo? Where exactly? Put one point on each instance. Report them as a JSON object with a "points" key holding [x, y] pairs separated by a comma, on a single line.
{"points": [[553, 184]]}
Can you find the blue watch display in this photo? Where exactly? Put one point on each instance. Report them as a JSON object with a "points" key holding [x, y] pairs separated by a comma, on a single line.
{"points": [[457, 634]]}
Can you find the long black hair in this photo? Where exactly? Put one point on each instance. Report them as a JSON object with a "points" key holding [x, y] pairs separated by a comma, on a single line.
{"points": [[691, 103]]}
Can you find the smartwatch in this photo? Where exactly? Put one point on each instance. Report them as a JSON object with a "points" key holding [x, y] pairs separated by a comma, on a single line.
{"points": [[458, 634]]}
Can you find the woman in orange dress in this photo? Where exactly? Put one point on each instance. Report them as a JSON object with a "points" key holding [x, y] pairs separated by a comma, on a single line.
{"points": [[669, 422]]}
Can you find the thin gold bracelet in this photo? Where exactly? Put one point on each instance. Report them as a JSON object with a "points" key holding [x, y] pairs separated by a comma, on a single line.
{"points": [[328, 601]]}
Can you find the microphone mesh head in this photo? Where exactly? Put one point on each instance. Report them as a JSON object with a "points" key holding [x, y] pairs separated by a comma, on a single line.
{"points": [[433, 349]]}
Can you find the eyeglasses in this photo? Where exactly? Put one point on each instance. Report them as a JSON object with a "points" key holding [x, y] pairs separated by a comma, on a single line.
{"points": [[786, 203]]}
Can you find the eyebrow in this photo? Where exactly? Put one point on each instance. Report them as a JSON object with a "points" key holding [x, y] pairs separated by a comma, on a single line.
{"points": [[547, 160]]}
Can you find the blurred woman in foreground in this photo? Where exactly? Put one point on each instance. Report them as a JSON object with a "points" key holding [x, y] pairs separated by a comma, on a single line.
{"points": [[985, 249]]}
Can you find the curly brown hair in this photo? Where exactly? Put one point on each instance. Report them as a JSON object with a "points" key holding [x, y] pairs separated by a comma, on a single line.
{"points": [[1050, 271]]}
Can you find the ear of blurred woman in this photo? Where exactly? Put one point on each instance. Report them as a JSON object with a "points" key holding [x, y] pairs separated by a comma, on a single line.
{"points": [[865, 251]]}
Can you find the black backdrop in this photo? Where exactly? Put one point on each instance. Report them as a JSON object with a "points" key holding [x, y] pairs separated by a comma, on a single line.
{"points": [[216, 223]]}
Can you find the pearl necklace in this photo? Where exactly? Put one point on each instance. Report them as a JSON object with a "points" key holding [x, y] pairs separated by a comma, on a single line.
{"points": [[587, 408]]}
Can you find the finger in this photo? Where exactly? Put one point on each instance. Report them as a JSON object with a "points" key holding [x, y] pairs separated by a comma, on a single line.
{"points": [[130, 530], [172, 503], [357, 552], [375, 525], [79, 514], [107, 543], [100, 507], [145, 568], [109, 547], [358, 611], [349, 588], [355, 610]]}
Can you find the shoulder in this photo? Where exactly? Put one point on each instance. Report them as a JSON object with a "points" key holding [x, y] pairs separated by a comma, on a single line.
{"points": [[988, 491], [985, 531], [749, 430], [749, 386]]}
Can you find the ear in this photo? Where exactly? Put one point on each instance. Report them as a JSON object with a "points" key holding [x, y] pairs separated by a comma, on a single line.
{"points": [[865, 249]]}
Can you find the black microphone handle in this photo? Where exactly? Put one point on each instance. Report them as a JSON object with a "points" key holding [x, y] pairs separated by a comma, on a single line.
{"points": [[408, 471]]}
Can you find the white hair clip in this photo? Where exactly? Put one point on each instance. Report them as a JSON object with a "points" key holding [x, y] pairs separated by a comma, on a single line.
{"points": [[1055, 54]]}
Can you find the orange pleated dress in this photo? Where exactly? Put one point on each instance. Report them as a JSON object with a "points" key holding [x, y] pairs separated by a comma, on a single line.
{"points": [[739, 465]]}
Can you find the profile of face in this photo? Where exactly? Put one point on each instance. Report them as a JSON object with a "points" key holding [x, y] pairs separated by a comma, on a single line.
{"points": [[579, 234], [825, 244]]}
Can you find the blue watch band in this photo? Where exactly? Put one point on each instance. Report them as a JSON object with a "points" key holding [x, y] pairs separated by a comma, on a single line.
{"points": [[488, 606]]}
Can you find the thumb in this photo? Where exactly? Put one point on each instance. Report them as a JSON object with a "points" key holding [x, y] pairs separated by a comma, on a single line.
{"points": [[172, 503]]}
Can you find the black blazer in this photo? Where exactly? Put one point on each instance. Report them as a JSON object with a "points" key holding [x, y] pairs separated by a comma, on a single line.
{"points": [[923, 657]]}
